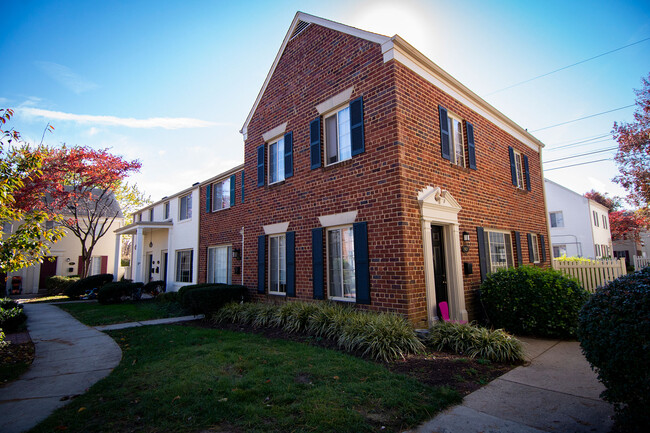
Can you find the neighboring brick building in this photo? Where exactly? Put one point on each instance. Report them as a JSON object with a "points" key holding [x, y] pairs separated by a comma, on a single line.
{"points": [[353, 191]]}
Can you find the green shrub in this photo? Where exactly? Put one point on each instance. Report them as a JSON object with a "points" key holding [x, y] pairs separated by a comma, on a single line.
{"points": [[533, 301], [57, 284], [183, 290], [379, 336], [11, 315], [114, 293], [208, 299], [168, 297], [154, 288], [614, 330], [79, 288], [3, 341], [475, 342]]}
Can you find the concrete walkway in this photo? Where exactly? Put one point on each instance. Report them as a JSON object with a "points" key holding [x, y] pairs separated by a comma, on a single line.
{"points": [[69, 358], [557, 392]]}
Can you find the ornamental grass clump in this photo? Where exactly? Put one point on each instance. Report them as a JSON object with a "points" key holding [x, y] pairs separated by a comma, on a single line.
{"points": [[475, 342]]}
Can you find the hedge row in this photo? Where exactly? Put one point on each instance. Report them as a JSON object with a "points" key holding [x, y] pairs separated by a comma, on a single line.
{"points": [[11, 315], [80, 287]]}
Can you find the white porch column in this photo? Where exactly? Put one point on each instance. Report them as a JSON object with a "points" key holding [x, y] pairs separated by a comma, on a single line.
{"points": [[429, 277], [118, 256], [454, 273], [170, 268], [138, 255]]}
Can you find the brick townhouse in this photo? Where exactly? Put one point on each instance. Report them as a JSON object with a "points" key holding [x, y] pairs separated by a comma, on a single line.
{"points": [[373, 177]]}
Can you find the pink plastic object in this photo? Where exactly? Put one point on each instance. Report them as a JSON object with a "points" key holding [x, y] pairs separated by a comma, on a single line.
{"points": [[444, 311]]}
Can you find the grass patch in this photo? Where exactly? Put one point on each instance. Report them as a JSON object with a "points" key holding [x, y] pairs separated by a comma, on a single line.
{"points": [[95, 314], [181, 378]]}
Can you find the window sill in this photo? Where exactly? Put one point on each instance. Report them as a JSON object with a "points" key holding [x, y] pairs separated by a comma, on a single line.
{"points": [[276, 184], [219, 210], [460, 168], [337, 164], [278, 294], [339, 299]]}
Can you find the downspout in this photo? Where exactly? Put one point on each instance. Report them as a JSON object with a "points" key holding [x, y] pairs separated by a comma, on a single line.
{"points": [[242, 255], [548, 224]]}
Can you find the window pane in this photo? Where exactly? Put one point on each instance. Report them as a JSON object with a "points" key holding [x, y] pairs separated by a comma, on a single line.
{"points": [[331, 140], [498, 251], [345, 137], [184, 266], [273, 255], [347, 262], [457, 141], [334, 263], [273, 162], [520, 173]]}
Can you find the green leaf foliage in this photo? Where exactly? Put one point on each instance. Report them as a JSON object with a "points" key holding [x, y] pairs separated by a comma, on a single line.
{"points": [[533, 301], [57, 284], [614, 332], [114, 293], [79, 287], [11, 315], [208, 299]]}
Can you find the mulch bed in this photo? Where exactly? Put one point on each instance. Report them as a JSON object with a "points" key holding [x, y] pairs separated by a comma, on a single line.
{"points": [[463, 374], [15, 358]]}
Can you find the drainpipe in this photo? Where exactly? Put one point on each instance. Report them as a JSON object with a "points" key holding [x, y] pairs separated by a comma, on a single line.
{"points": [[242, 255]]}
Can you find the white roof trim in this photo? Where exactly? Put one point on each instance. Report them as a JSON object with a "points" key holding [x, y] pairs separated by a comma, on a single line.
{"points": [[301, 16]]}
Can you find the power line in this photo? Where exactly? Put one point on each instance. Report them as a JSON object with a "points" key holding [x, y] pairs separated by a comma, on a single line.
{"points": [[580, 163], [583, 118], [581, 154], [566, 67], [578, 144], [602, 134]]}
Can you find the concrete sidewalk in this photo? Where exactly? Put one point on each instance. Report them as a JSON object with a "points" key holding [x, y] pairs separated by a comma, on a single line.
{"points": [[557, 392], [69, 358]]}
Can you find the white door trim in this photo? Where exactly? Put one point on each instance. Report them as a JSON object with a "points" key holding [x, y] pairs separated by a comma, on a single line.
{"points": [[439, 207]]}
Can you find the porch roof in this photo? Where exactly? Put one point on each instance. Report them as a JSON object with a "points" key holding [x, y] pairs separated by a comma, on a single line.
{"points": [[131, 229]]}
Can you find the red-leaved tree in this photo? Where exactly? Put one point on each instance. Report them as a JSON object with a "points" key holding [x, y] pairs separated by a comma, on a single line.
{"points": [[611, 203], [75, 187], [625, 224]]}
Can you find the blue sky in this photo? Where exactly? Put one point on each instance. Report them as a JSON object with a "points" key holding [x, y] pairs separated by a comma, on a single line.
{"points": [[171, 83]]}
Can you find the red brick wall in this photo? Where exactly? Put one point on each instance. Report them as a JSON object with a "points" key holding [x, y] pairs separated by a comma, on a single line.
{"points": [[402, 156]]}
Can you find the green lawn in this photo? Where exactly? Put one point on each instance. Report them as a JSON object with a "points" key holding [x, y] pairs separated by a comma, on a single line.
{"points": [[186, 379], [94, 314]]}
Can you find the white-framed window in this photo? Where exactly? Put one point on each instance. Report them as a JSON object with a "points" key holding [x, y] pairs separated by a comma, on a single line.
{"points": [[499, 246], [151, 214], [95, 266], [221, 195], [597, 248], [604, 251], [535, 248], [557, 219], [278, 264], [341, 280], [559, 250], [595, 218], [219, 264], [185, 207], [604, 221], [166, 210], [140, 216], [7, 228], [338, 138], [457, 141], [276, 161], [184, 263], [519, 168]]}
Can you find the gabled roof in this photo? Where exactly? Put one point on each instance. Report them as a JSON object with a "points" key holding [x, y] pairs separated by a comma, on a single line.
{"points": [[396, 48]]}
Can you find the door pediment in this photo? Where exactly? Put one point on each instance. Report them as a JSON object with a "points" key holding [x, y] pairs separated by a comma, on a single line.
{"points": [[438, 205]]}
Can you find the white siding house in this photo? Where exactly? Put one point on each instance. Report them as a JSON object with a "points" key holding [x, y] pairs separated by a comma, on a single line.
{"points": [[579, 226]]}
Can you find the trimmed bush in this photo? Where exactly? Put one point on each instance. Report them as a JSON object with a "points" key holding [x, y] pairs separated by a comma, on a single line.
{"points": [[57, 284], [168, 297], [114, 293], [11, 315], [533, 301], [208, 299], [154, 288], [614, 330], [377, 335], [475, 342], [79, 288], [183, 290]]}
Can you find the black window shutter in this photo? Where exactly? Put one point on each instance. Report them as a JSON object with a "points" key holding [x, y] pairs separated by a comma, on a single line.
{"points": [[260, 165], [513, 167], [318, 272], [471, 147], [208, 198], [541, 241], [444, 133], [356, 126], [242, 186], [518, 248], [233, 182], [288, 154], [526, 172], [314, 143], [291, 263], [361, 262], [482, 252], [530, 248], [261, 267]]}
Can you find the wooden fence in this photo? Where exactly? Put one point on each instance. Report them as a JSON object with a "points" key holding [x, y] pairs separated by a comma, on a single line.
{"points": [[641, 262], [593, 274]]}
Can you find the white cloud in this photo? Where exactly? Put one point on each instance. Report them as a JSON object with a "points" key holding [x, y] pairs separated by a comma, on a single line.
{"points": [[92, 131], [4, 101], [66, 77], [128, 122]]}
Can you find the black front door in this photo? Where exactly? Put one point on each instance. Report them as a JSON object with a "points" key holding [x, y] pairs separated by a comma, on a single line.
{"points": [[439, 269]]}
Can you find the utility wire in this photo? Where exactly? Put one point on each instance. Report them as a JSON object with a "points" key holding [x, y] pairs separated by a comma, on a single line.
{"points": [[580, 163], [573, 140], [582, 143], [582, 154], [583, 118], [566, 67]]}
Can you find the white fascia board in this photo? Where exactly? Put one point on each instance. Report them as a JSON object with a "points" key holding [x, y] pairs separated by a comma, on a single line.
{"points": [[301, 16], [398, 49]]}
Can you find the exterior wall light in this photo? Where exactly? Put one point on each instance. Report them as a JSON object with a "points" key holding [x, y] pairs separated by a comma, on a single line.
{"points": [[236, 254], [465, 247]]}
